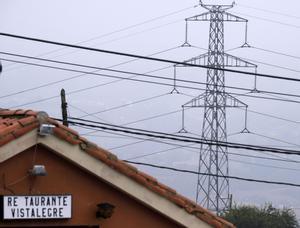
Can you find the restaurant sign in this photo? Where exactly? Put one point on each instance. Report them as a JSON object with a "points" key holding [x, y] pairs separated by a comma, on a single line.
{"points": [[37, 207]]}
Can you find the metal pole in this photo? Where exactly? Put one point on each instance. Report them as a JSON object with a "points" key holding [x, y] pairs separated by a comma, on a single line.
{"points": [[64, 106]]}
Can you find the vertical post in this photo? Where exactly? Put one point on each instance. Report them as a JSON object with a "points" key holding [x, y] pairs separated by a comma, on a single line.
{"points": [[64, 106], [230, 202]]}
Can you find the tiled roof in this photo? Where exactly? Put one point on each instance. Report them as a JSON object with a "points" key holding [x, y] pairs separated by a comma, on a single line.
{"points": [[15, 123]]}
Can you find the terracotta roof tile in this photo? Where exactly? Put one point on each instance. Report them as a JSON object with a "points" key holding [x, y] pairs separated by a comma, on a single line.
{"points": [[66, 135], [148, 177], [15, 123]]}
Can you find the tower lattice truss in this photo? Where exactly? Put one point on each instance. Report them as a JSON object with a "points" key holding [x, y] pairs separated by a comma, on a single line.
{"points": [[213, 183]]}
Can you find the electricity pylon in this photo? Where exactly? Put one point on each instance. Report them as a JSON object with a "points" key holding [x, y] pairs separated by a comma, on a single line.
{"points": [[213, 183]]}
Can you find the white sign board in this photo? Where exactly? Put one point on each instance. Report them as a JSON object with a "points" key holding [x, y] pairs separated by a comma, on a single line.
{"points": [[37, 207]]}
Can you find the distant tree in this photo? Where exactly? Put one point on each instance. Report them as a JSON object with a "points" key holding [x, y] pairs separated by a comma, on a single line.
{"points": [[265, 217]]}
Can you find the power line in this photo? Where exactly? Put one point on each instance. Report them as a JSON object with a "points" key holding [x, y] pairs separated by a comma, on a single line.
{"points": [[172, 112], [266, 98], [131, 79], [215, 175], [141, 23], [139, 74], [134, 137], [70, 78], [181, 146], [167, 136], [270, 20], [126, 28], [122, 71], [238, 161], [85, 112], [273, 65], [268, 11], [126, 36], [275, 139], [129, 104], [272, 116], [270, 64], [275, 52], [143, 140], [145, 57], [231, 153], [177, 146], [126, 105], [95, 86], [152, 117], [264, 165]]}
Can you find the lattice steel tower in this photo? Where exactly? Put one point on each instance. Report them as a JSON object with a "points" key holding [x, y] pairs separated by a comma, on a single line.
{"points": [[213, 189]]}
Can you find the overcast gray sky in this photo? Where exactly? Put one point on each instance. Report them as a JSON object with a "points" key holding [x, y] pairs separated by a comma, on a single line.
{"points": [[273, 25]]}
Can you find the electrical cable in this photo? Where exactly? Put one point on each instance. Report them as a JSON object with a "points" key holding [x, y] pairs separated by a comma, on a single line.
{"points": [[269, 20], [129, 72], [264, 165], [268, 11], [98, 85], [177, 146], [125, 72], [125, 28], [134, 137], [164, 114], [273, 65], [167, 136], [238, 161], [152, 117], [74, 77], [145, 57], [275, 139], [230, 153], [214, 175], [138, 80], [272, 116], [183, 146], [275, 52], [126, 105], [85, 112]]}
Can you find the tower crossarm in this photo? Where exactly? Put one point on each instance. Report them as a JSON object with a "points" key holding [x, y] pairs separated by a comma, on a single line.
{"points": [[196, 102], [200, 17], [233, 18], [207, 16], [220, 7], [234, 61], [229, 61], [233, 102], [199, 101]]}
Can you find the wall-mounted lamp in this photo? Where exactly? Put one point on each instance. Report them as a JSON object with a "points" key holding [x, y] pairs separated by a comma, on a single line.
{"points": [[105, 210], [46, 129], [38, 170]]}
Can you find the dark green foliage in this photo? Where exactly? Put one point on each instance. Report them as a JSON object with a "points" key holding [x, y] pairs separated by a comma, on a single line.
{"points": [[265, 217]]}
